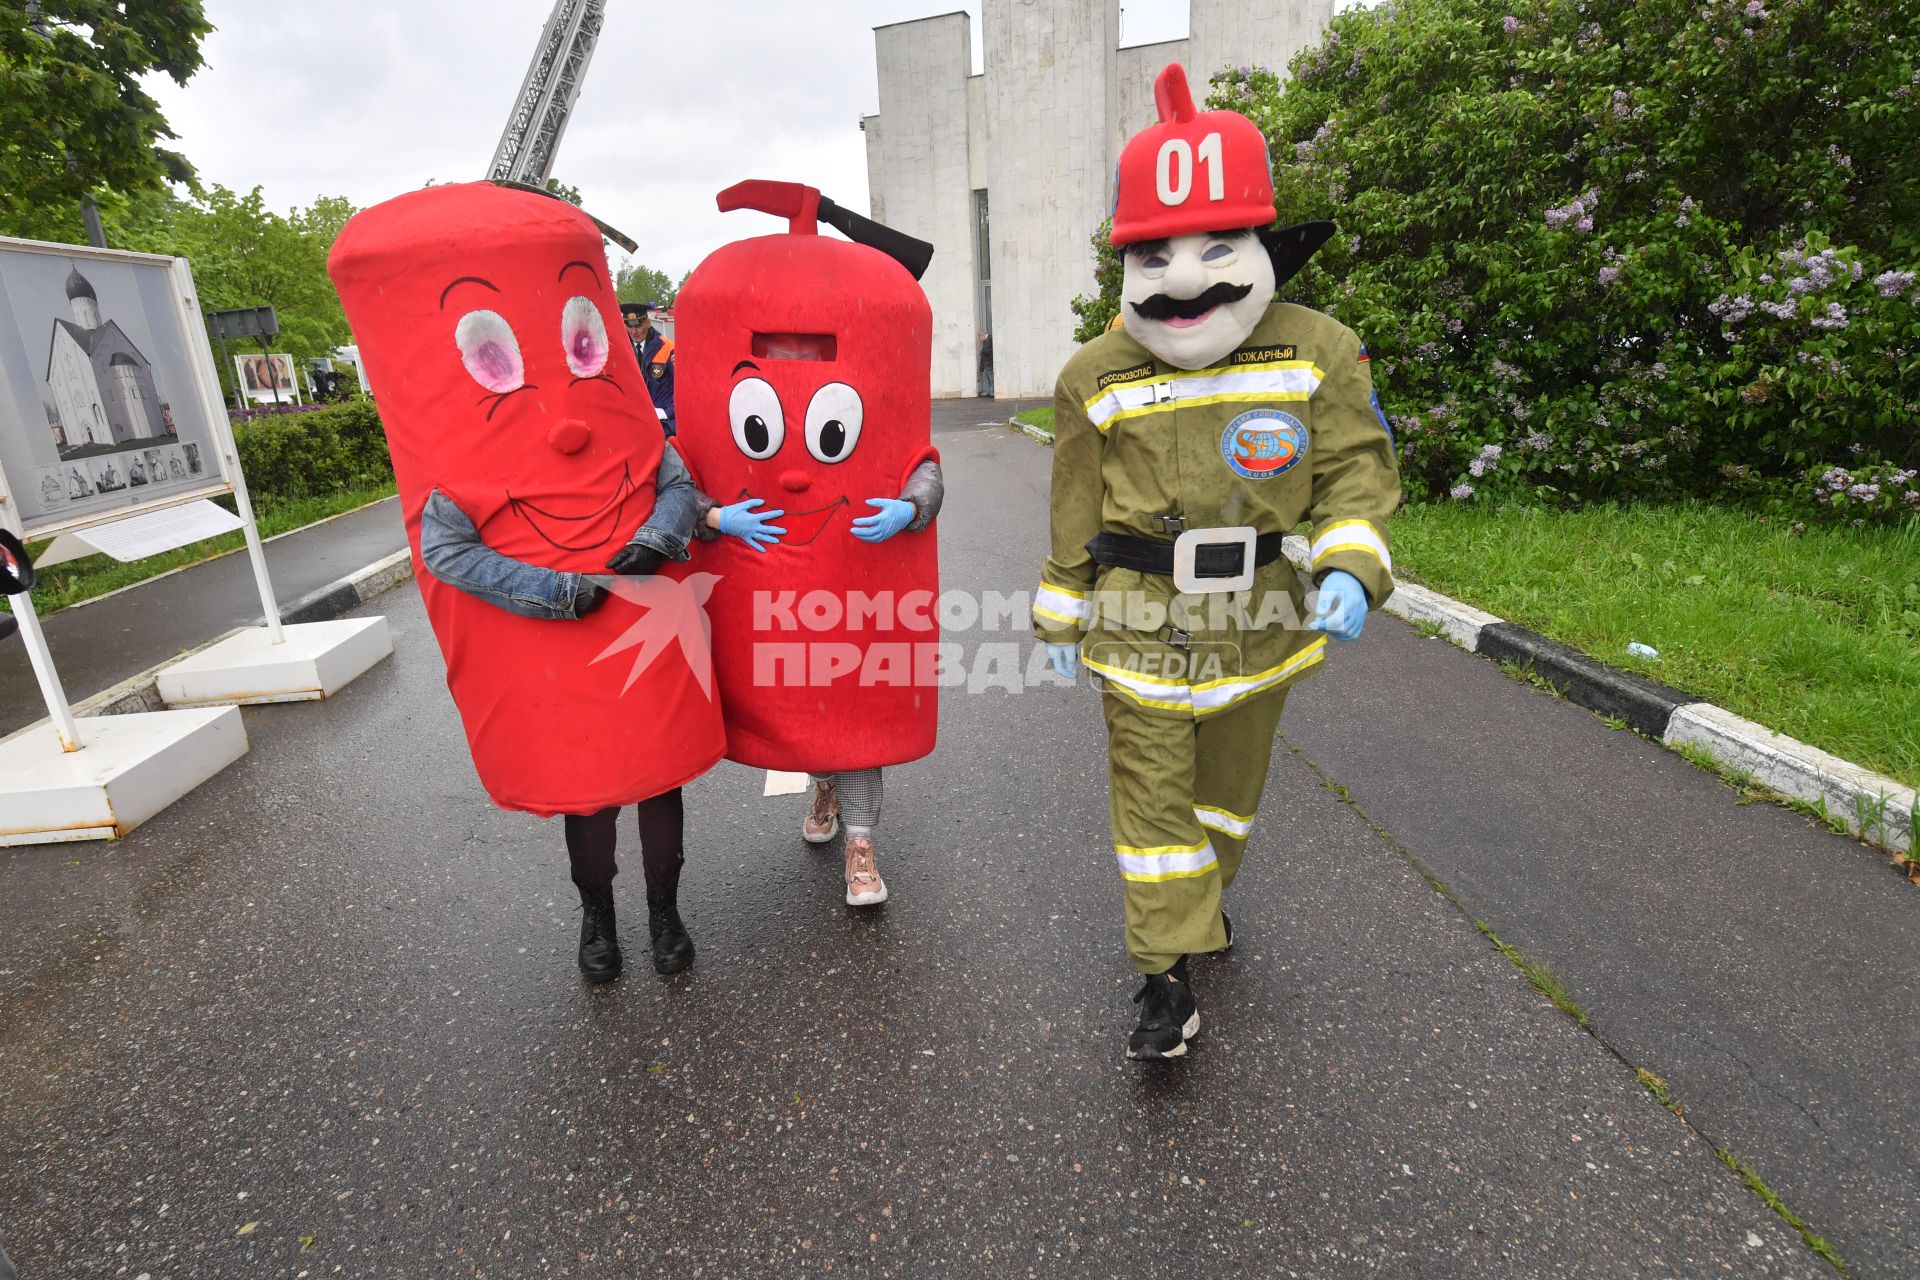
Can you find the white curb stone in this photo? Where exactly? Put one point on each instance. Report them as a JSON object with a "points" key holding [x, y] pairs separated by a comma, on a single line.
{"points": [[1028, 429], [1874, 807], [1460, 623]]}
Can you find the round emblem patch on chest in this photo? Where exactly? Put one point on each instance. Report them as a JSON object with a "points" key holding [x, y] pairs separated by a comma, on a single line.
{"points": [[1263, 443]]}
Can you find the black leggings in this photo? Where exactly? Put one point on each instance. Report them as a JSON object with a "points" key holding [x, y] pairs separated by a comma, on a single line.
{"points": [[591, 838]]}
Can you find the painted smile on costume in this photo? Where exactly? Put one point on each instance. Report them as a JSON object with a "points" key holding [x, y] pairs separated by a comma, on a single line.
{"points": [[606, 518], [787, 521]]}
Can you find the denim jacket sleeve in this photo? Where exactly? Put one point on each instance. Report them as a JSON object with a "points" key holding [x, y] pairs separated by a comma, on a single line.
{"points": [[451, 548], [674, 508]]}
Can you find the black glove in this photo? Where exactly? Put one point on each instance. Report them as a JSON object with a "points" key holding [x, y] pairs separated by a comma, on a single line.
{"points": [[636, 560], [588, 597]]}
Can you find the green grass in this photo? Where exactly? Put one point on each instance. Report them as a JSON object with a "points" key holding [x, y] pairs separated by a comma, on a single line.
{"points": [[1816, 635], [1041, 417], [76, 580], [1772, 1200]]}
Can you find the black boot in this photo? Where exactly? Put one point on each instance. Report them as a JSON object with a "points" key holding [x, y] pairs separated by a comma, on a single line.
{"points": [[600, 959], [672, 947], [1169, 1016]]}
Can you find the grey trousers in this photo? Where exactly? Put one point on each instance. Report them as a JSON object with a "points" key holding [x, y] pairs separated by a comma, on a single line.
{"points": [[859, 796]]}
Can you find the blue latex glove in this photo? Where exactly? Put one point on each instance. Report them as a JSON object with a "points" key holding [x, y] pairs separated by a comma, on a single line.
{"points": [[1064, 659], [741, 521], [1342, 606], [894, 515]]}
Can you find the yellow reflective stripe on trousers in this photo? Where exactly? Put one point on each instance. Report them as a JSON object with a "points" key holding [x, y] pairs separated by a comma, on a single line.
{"points": [[1211, 696], [1167, 862], [1351, 535], [1218, 695], [1230, 824], [1148, 691]]}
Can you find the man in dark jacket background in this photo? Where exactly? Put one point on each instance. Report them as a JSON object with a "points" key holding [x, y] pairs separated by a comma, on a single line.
{"points": [[655, 353]]}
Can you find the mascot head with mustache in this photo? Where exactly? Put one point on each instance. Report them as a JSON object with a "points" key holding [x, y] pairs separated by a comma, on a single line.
{"points": [[1191, 219]]}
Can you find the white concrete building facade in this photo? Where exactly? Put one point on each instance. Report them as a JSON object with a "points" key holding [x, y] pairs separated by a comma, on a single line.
{"points": [[1009, 172]]}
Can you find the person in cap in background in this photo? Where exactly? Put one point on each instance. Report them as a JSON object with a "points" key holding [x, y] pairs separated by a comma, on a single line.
{"points": [[655, 352], [1188, 442]]}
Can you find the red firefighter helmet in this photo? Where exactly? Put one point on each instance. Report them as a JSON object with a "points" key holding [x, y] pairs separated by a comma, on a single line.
{"points": [[1195, 171]]}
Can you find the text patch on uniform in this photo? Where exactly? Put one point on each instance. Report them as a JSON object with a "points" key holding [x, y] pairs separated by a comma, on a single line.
{"points": [[1124, 375]]}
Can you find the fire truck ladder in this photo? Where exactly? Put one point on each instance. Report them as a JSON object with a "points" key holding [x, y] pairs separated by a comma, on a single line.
{"points": [[545, 102]]}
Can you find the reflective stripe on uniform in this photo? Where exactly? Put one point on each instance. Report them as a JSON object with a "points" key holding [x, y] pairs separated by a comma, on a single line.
{"points": [[1058, 604], [1351, 535], [1278, 380], [1218, 695], [1148, 691], [1211, 696], [1231, 824], [1166, 862]]}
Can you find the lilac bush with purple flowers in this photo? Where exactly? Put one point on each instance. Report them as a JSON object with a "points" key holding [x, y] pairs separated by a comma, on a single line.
{"points": [[1660, 249]]}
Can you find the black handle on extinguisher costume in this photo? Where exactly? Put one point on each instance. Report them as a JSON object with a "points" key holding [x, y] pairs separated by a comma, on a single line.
{"points": [[16, 570], [910, 253]]}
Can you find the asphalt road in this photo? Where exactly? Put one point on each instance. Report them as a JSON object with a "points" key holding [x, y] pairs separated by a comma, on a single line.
{"points": [[321, 1018]]}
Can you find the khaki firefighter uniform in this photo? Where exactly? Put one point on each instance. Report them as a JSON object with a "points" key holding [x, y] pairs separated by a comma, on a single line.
{"points": [[1284, 429]]}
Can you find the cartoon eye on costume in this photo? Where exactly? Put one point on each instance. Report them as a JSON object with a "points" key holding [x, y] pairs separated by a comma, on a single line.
{"points": [[1219, 254], [833, 422], [754, 410], [490, 351], [584, 334]]}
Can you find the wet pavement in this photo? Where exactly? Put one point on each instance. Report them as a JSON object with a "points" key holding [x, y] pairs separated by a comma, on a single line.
{"points": [[321, 1017]]}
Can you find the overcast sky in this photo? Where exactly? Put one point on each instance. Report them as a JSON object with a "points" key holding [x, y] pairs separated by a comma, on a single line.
{"points": [[371, 98]]}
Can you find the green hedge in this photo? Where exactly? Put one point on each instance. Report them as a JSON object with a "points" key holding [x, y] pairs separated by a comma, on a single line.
{"points": [[291, 456], [1605, 251]]}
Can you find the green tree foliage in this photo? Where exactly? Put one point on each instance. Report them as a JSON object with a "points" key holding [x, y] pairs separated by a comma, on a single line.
{"points": [[73, 116], [246, 255], [1618, 250], [636, 283]]}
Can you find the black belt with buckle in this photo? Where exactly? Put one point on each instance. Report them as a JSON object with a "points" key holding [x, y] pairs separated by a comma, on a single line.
{"points": [[1149, 555]]}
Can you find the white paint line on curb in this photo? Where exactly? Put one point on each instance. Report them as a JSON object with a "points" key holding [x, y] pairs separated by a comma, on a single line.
{"points": [[1028, 429], [1876, 808], [1460, 623]]}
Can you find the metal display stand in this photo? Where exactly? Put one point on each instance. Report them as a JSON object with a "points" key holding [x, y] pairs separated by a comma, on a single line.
{"points": [[98, 777]]}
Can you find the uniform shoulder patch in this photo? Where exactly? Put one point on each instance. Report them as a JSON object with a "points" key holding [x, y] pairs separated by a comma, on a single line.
{"points": [[1263, 355], [1263, 443], [1115, 376]]}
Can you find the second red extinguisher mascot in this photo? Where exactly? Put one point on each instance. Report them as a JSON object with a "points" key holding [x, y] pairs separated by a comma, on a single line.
{"points": [[804, 411]]}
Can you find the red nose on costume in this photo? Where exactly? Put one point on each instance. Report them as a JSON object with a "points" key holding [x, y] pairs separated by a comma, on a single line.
{"points": [[795, 481], [569, 435]]}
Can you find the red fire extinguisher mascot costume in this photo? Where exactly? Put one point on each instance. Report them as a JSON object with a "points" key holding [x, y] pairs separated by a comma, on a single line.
{"points": [[527, 455], [804, 411]]}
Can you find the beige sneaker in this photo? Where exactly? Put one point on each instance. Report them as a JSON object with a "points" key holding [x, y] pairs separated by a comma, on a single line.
{"points": [[865, 888], [822, 822]]}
